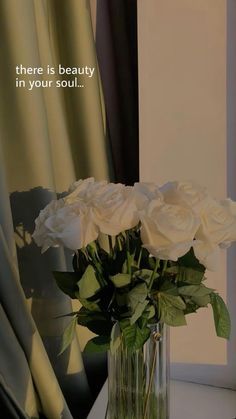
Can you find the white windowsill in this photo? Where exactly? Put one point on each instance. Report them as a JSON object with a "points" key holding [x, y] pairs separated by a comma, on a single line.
{"points": [[187, 401]]}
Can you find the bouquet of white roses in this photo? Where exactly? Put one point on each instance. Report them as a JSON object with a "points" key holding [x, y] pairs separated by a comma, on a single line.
{"points": [[140, 257]]}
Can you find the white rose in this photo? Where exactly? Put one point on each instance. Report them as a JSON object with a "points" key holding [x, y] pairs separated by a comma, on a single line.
{"points": [[67, 225], [75, 220], [218, 219], [168, 230], [229, 205], [217, 229], [112, 206], [145, 192], [218, 224], [114, 209], [40, 233], [84, 190], [207, 253], [187, 194]]}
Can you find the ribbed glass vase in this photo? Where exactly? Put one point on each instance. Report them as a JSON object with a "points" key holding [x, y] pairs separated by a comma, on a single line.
{"points": [[138, 382]]}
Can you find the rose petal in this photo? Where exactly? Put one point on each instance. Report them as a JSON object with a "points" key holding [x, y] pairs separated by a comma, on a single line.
{"points": [[207, 253]]}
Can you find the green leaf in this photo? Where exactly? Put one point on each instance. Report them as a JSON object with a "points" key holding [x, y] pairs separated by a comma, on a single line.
{"points": [[173, 316], [189, 275], [150, 260], [98, 344], [221, 316], [175, 301], [150, 311], [138, 311], [202, 301], [130, 262], [80, 262], [90, 305], [121, 299], [68, 334], [145, 275], [114, 266], [195, 290], [138, 294], [148, 314], [61, 316], [96, 321], [169, 314], [121, 280], [67, 282], [134, 337], [169, 288], [115, 338], [92, 248], [191, 307], [189, 260], [137, 301], [173, 269], [88, 284]]}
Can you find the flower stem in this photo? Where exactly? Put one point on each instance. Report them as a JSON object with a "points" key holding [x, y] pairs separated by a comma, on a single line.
{"points": [[140, 256], [151, 380], [165, 262], [110, 245], [157, 264], [128, 254], [119, 242], [97, 264]]}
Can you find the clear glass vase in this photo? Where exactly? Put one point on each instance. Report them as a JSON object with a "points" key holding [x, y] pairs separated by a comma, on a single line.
{"points": [[138, 382]]}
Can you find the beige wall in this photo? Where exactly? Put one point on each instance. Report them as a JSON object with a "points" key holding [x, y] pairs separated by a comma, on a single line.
{"points": [[182, 76]]}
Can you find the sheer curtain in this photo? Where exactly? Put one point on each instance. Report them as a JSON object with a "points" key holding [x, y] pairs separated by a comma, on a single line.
{"points": [[48, 138]]}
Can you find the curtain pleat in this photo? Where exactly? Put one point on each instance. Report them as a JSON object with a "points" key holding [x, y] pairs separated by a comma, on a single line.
{"points": [[26, 333], [17, 390], [24, 365], [9, 407], [85, 115]]}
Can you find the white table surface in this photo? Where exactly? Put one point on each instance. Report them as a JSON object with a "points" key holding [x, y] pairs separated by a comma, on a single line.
{"points": [[187, 401]]}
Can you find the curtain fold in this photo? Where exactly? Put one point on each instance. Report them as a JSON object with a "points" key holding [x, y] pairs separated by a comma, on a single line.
{"points": [[116, 41], [24, 362], [48, 139], [17, 393], [27, 381], [85, 113]]}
